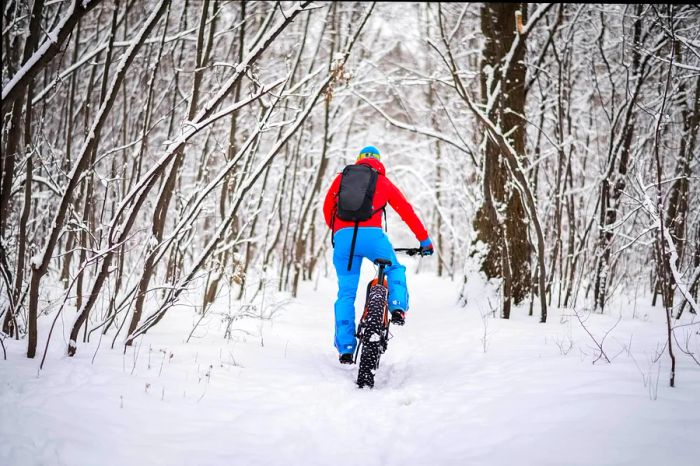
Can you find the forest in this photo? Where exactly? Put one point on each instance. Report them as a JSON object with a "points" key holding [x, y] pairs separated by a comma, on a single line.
{"points": [[166, 153]]}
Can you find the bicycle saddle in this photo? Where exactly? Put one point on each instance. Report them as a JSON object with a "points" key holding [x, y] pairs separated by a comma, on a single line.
{"points": [[380, 261]]}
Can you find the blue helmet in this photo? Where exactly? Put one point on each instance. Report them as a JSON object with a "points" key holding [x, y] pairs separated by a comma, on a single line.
{"points": [[369, 151]]}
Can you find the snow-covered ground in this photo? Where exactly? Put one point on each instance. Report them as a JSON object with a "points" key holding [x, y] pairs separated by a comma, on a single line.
{"points": [[274, 392]]}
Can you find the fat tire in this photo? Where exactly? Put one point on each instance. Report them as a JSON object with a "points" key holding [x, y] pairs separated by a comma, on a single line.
{"points": [[372, 336]]}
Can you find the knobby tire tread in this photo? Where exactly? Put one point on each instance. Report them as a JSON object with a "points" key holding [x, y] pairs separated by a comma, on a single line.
{"points": [[372, 336]]}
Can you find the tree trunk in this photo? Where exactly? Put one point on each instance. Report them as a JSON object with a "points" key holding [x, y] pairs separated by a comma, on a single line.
{"points": [[615, 181], [48, 49], [677, 211], [11, 150], [500, 221]]}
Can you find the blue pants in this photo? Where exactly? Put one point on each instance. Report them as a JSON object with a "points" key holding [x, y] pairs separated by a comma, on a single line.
{"points": [[371, 243]]}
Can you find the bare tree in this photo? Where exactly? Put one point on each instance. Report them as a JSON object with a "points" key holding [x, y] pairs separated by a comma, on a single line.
{"points": [[40, 264]]}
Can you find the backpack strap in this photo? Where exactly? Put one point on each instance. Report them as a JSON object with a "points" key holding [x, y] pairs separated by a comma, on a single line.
{"points": [[354, 235], [352, 245], [333, 227], [383, 209]]}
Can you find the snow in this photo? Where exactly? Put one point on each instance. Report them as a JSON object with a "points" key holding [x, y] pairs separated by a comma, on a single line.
{"points": [[275, 394], [36, 261]]}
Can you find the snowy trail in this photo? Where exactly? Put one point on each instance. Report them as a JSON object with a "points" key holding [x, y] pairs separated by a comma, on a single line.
{"points": [[438, 399]]}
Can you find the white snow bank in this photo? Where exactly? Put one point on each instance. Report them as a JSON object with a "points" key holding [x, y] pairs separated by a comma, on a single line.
{"points": [[533, 397]]}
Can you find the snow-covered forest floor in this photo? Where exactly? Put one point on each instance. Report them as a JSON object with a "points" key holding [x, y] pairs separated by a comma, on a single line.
{"points": [[457, 387]]}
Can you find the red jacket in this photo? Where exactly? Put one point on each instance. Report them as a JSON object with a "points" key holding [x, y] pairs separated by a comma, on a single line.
{"points": [[385, 193]]}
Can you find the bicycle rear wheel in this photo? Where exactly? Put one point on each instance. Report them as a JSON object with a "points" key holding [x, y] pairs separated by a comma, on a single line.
{"points": [[373, 340]]}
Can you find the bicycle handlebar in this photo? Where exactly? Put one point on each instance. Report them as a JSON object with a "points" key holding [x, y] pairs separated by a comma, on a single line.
{"points": [[410, 251]]}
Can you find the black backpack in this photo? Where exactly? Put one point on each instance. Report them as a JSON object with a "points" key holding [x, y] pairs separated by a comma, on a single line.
{"points": [[357, 186]]}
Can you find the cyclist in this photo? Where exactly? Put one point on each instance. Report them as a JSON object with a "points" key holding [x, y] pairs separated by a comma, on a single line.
{"points": [[370, 242]]}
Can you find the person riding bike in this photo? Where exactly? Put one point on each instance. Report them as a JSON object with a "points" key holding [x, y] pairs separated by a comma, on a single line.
{"points": [[367, 239]]}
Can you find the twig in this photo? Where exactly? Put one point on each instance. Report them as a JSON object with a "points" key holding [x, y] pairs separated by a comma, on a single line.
{"points": [[599, 345]]}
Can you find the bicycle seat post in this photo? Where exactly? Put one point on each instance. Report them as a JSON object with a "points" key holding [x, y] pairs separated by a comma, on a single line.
{"points": [[382, 263]]}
